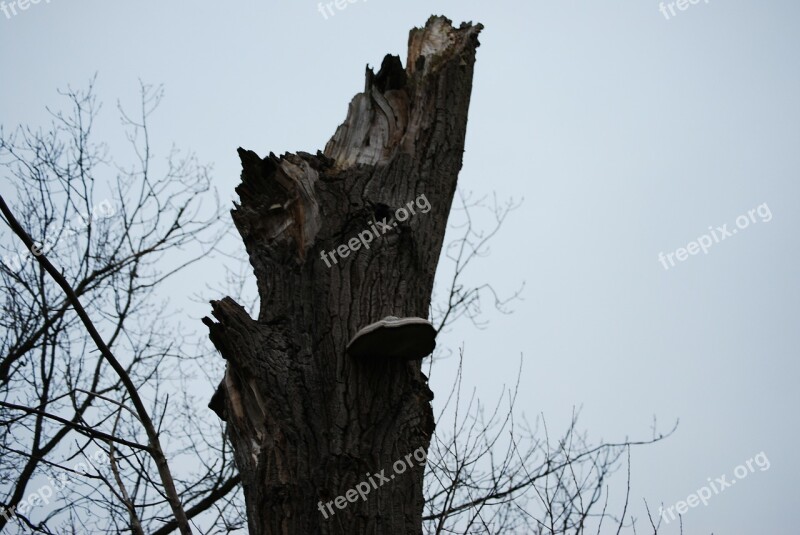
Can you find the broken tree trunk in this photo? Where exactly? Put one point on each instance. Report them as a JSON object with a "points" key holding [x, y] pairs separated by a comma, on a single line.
{"points": [[307, 421]]}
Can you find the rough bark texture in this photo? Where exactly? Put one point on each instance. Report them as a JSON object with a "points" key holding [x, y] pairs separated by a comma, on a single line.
{"points": [[307, 422]]}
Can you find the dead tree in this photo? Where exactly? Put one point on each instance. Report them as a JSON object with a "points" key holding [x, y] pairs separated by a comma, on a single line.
{"points": [[308, 422]]}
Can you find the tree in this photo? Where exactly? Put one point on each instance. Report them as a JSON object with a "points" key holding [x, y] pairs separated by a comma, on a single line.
{"points": [[323, 442], [74, 420], [307, 422]]}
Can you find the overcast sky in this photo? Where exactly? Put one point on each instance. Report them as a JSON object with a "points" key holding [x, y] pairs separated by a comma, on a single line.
{"points": [[627, 131]]}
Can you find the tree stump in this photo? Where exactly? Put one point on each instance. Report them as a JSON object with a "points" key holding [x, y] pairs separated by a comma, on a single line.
{"points": [[307, 422]]}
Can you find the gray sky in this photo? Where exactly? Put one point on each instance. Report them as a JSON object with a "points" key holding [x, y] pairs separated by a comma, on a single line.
{"points": [[628, 134]]}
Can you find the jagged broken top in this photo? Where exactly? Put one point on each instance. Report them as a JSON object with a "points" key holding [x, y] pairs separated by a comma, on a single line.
{"points": [[395, 114], [379, 121]]}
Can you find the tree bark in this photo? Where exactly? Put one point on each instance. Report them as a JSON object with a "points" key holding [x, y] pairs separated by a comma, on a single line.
{"points": [[308, 422]]}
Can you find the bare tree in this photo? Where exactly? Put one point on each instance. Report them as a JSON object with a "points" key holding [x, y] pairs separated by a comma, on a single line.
{"points": [[472, 243], [487, 471], [87, 355]]}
